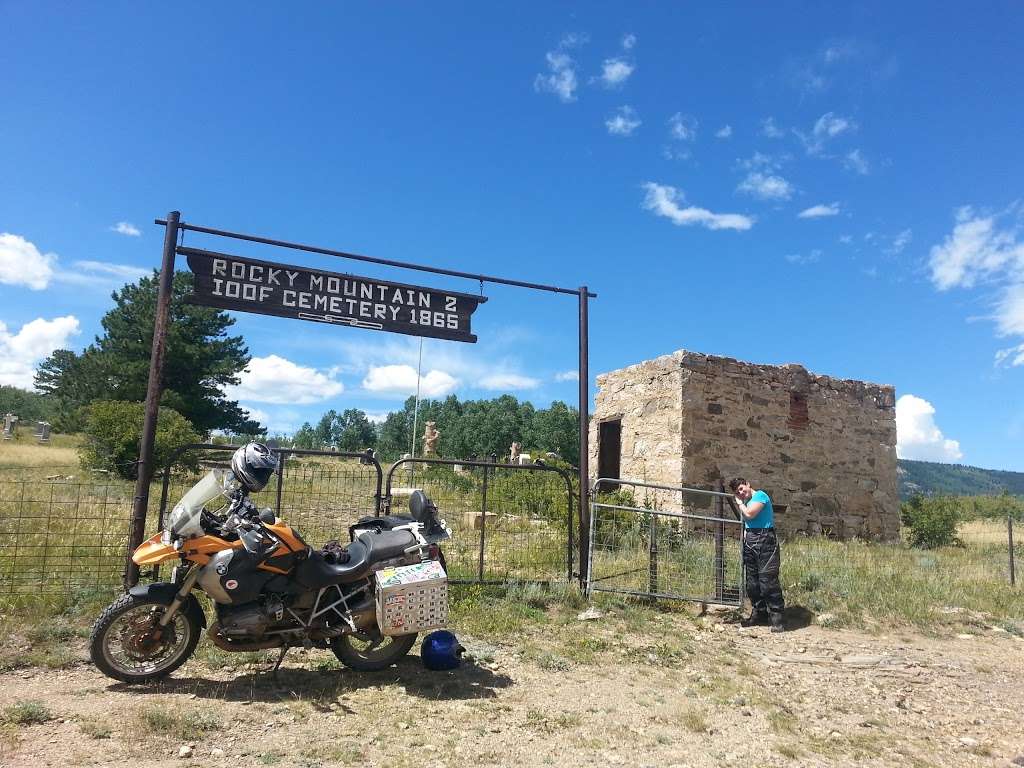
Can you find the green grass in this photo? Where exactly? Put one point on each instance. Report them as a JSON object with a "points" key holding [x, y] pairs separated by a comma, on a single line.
{"points": [[26, 713], [188, 725]]}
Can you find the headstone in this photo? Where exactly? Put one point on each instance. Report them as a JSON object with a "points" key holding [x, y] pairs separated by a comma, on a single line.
{"points": [[10, 426], [514, 451], [525, 458], [44, 432]]}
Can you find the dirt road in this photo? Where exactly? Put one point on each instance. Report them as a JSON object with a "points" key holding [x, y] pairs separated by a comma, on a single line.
{"points": [[678, 692]]}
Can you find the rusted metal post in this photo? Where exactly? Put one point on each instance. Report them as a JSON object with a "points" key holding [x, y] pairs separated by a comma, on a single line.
{"points": [[280, 480], [720, 543], [653, 554], [483, 523], [1009, 537], [153, 391], [584, 439]]}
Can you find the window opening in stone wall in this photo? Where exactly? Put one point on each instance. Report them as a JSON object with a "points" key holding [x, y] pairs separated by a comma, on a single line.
{"points": [[609, 448], [798, 418]]}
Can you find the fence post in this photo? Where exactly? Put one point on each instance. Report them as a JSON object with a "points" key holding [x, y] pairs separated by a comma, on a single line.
{"points": [[280, 480], [1009, 537], [653, 549], [720, 543], [483, 523]]}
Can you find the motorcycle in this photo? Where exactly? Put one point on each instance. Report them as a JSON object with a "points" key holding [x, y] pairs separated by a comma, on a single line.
{"points": [[269, 588]]}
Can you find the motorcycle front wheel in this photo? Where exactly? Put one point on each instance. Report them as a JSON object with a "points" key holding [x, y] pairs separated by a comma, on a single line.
{"points": [[367, 654], [127, 644]]}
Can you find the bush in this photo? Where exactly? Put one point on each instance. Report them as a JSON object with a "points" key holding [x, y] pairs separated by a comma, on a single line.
{"points": [[113, 429], [932, 522]]}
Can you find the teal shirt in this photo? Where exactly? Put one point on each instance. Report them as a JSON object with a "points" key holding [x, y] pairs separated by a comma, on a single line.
{"points": [[766, 517]]}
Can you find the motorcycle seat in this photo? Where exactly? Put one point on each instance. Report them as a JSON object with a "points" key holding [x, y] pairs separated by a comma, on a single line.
{"points": [[315, 572]]}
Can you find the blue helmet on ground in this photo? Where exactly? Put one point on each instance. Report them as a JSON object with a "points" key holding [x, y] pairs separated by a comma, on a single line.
{"points": [[441, 650]]}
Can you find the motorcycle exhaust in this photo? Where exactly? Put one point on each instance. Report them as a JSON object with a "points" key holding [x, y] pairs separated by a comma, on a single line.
{"points": [[226, 644]]}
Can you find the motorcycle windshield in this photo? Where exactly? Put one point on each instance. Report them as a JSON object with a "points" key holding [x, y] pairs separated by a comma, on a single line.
{"points": [[184, 518]]}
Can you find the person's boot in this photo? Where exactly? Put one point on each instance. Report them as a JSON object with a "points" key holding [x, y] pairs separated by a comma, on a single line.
{"points": [[755, 619], [778, 625]]}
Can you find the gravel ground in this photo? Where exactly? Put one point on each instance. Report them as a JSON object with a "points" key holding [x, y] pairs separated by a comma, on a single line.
{"points": [[681, 692]]}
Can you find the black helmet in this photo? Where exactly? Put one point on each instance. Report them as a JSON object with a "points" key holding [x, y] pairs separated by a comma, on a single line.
{"points": [[253, 465]]}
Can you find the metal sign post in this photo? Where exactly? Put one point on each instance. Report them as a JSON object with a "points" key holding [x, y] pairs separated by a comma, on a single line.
{"points": [[153, 390]]}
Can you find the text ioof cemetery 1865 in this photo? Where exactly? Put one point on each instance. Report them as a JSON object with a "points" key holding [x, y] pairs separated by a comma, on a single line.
{"points": [[248, 285]]}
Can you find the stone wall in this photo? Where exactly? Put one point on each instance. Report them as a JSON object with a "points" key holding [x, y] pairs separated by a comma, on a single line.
{"points": [[823, 448]]}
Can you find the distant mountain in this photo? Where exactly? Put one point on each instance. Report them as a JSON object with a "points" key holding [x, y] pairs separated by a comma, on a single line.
{"points": [[932, 478]]}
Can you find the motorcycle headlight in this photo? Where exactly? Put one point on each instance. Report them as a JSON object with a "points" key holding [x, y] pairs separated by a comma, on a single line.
{"points": [[165, 538]]}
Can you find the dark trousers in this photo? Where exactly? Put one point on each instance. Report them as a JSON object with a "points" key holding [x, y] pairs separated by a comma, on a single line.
{"points": [[761, 560]]}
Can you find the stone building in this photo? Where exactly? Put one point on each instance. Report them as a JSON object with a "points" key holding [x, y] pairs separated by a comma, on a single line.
{"points": [[823, 448]]}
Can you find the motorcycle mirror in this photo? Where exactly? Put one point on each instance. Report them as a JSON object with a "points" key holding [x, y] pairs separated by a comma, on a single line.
{"points": [[267, 516]]}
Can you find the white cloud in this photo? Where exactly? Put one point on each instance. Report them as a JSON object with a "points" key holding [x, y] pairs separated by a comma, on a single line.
{"points": [[567, 376], [819, 211], [831, 125], [800, 258], [664, 200], [125, 271], [615, 72], [762, 162], [846, 239], [561, 78], [1012, 356], [401, 380], [21, 263], [975, 250], [917, 436], [628, 41], [826, 128], [623, 122], [377, 417], [770, 129], [506, 381], [279, 381], [856, 162], [21, 352], [126, 228], [766, 187], [676, 153], [724, 132], [682, 127], [900, 242]]}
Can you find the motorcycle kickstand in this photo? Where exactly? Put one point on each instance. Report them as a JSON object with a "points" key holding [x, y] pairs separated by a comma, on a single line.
{"points": [[277, 666]]}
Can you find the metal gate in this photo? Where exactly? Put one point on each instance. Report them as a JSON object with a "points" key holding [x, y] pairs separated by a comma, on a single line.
{"points": [[510, 522], [675, 543]]}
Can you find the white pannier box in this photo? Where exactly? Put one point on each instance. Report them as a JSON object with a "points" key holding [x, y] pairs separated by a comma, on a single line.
{"points": [[412, 598]]}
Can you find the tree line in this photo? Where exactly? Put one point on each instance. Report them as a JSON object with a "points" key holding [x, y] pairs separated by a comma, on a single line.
{"points": [[468, 428]]}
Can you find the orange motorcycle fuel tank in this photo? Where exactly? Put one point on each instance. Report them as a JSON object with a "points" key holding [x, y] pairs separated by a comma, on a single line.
{"points": [[239, 575]]}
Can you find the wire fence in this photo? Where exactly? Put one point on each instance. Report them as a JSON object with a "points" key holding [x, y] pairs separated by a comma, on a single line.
{"points": [[63, 530], [993, 549]]}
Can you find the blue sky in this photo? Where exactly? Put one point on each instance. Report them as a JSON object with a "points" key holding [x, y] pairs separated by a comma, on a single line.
{"points": [[838, 186]]}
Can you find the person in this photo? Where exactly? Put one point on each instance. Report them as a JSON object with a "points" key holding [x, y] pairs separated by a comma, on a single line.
{"points": [[761, 556]]}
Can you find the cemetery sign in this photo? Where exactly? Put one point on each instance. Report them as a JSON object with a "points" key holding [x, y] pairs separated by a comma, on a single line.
{"points": [[248, 285]]}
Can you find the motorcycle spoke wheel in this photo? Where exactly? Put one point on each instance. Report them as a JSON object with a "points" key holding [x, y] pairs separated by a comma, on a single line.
{"points": [[128, 644], [365, 653]]}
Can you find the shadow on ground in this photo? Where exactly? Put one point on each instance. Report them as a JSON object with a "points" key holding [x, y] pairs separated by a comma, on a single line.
{"points": [[469, 681]]}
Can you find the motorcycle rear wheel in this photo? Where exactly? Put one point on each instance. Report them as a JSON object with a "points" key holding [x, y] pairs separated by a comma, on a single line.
{"points": [[363, 654], [122, 644]]}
